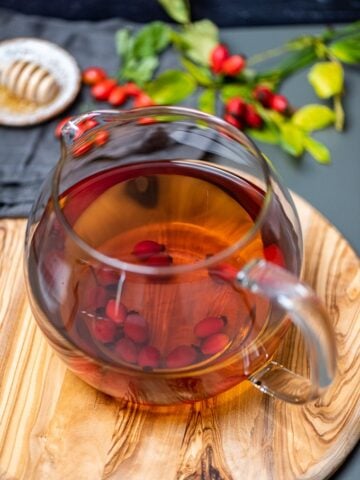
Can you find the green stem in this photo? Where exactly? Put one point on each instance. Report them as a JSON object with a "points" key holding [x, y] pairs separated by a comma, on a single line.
{"points": [[272, 52], [332, 34], [339, 113], [292, 64]]}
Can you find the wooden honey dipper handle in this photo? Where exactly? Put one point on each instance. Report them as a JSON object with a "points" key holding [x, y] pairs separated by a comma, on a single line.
{"points": [[30, 81]]}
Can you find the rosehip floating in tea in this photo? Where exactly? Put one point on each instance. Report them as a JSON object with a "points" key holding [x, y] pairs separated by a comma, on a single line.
{"points": [[208, 326], [136, 328], [126, 350], [146, 248], [103, 330], [116, 311], [181, 356], [214, 344], [149, 356]]}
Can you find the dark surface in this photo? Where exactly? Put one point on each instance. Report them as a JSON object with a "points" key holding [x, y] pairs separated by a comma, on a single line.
{"points": [[224, 13], [26, 155]]}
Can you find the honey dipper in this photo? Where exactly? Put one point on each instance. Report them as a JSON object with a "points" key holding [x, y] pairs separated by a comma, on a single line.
{"points": [[29, 81]]}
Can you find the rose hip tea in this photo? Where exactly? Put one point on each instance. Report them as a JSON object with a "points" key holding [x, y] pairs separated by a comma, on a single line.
{"points": [[177, 333]]}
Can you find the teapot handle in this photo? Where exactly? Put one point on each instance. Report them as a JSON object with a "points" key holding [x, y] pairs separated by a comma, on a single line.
{"points": [[309, 315]]}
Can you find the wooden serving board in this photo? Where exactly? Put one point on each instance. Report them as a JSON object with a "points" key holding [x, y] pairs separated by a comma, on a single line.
{"points": [[55, 427]]}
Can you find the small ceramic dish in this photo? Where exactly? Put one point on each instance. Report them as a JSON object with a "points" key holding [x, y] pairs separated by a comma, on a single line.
{"points": [[52, 58]]}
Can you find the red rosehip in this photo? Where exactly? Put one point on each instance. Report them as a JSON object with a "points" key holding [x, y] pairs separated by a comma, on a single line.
{"points": [[82, 149], [208, 326], [101, 91], [233, 65], [146, 121], [146, 248], [236, 107], [88, 124], [103, 330], [143, 100], [126, 350], [149, 356], [84, 126], [101, 138], [136, 328], [252, 118], [132, 89], [159, 260], [279, 103], [214, 344], [223, 271], [217, 57], [117, 96], [116, 314], [60, 125], [272, 253], [263, 94], [93, 75], [234, 121], [181, 356]]}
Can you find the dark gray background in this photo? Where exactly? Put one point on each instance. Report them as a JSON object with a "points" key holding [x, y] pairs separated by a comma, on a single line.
{"points": [[27, 154], [225, 13]]}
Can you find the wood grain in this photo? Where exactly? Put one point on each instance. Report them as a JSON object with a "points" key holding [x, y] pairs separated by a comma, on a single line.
{"points": [[53, 426]]}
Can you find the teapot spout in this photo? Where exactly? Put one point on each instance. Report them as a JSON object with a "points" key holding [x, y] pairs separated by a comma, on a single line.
{"points": [[70, 131], [76, 126]]}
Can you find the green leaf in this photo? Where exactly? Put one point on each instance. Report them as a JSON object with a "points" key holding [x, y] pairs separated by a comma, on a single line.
{"points": [[235, 90], [207, 101], [178, 10], [122, 42], [271, 117], [171, 87], [313, 117], [199, 39], [201, 74], [138, 53], [293, 62], [266, 135], [292, 139], [139, 71], [347, 49], [318, 150], [349, 29], [177, 40], [151, 39], [301, 42], [327, 78]]}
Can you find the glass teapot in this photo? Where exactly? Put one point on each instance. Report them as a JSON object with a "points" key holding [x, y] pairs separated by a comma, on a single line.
{"points": [[163, 260]]}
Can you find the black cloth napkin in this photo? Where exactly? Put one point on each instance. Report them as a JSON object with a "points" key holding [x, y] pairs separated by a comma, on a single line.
{"points": [[28, 154]]}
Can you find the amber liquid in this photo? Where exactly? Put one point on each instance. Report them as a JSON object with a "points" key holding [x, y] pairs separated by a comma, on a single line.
{"points": [[194, 211]]}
